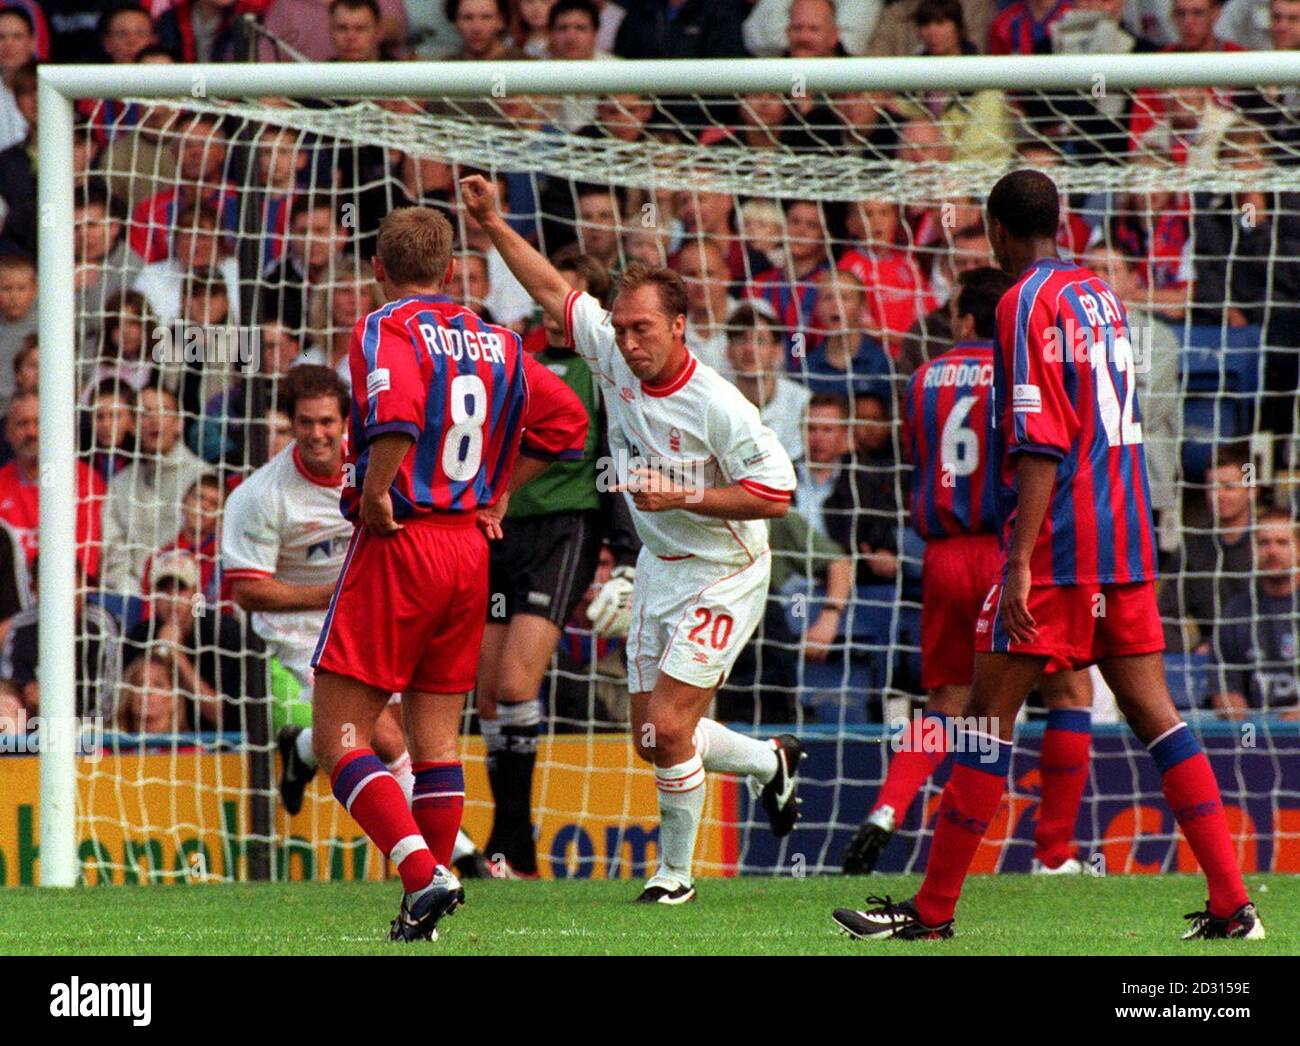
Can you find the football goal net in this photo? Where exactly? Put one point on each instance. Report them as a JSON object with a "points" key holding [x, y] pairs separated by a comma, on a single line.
{"points": [[205, 229]]}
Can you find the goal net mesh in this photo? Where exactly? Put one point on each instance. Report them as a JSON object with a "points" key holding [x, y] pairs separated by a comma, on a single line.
{"points": [[221, 242]]}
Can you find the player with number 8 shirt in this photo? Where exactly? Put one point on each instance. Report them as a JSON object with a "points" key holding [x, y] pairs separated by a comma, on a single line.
{"points": [[443, 407]]}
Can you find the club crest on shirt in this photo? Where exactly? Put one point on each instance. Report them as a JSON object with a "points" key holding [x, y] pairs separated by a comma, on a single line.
{"points": [[1027, 399], [675, 440], [627, 394]]}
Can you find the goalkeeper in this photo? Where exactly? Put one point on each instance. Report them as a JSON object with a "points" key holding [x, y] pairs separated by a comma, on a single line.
{"points": [[552, 535]]}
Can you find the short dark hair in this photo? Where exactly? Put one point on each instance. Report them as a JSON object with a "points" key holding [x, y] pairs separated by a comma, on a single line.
{"points": [[1277, 514], [564, 7], [22, 14], [746, 317], [981, 290], [309, 381], [671, 287], [312, 202], [1026, 204], [29, 348], [356, 5], [94, 193], [212, 480], [941, 11], [17, 261], [114, 387], [570, 258], [116, 11], [163, 388], [1231, 454], [830, 399], [452, 8]]}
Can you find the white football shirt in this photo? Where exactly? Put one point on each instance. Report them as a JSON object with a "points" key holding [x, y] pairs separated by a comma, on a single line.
{"points": [[284, 522], [697, 428]]}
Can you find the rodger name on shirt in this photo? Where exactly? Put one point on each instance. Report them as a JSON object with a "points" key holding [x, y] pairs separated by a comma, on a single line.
{"points": [[74, 999]]}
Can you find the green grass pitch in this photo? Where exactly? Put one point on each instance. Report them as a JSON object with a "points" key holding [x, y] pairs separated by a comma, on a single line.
{"points": [[1000, 915]]}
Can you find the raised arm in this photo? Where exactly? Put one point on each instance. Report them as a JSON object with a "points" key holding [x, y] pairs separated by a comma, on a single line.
{"points": [[539, 277]]}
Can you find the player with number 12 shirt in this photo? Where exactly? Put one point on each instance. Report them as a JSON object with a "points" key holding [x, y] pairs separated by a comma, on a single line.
{"points": [[443, 405], [954, 488], [1076, 580]]}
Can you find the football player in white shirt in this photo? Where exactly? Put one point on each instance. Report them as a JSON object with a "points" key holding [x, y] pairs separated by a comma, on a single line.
{"points": [[702, 474], [282, 547]]}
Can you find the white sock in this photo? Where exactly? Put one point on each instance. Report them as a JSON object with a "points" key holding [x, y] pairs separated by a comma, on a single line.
{"points": [[681, 806], [463, 848], [303, 744], [524, 713], [727, 752], [401, 769]]}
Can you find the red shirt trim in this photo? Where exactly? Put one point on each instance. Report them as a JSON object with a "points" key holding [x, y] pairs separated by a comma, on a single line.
{"points": [[568, 316], [764, 491], [306, 473], [672, 384]]}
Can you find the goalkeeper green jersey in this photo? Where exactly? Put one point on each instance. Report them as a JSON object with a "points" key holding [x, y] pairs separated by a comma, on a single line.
{"points": [[566, 486]]}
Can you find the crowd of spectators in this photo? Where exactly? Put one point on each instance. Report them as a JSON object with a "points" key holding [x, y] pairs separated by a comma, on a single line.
{"points": [[818, 311]]}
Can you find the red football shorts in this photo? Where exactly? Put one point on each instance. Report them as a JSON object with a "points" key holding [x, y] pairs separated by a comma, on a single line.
{"points": [[955, 577], [1079, 624], [409, 608]]}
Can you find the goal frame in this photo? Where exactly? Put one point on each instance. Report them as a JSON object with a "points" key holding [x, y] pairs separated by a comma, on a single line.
{"points": [[60, 87]]}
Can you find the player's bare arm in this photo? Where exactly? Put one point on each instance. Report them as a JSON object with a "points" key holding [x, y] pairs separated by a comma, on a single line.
{"points": [[539, 277], [839, 589], [651, 492], [271, 594], [1036, 476], [386, 454]]}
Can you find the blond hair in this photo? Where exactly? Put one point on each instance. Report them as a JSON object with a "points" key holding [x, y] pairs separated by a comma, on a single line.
{"points": [[415, 246]]}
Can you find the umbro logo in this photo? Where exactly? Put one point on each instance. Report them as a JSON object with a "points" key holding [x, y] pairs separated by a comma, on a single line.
{"points": [[627, 394]]}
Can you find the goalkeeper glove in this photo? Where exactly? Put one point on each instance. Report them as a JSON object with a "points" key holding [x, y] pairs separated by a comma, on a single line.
{"points": [[611, 609]]}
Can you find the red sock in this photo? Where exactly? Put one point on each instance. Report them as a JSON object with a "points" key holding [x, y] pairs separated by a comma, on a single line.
{"points": [[1193, 795], [1063, 766], [374, 799], [923, 747], [438, 803], [969, 802]]}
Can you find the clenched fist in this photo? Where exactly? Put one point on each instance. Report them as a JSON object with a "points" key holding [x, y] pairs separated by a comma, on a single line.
{"points": [[479, 196]]}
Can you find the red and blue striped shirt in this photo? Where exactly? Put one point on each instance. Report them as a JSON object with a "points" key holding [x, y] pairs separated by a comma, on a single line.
{"points": [[1017, 31], [946, 437], [1064, 386], [466, 393]]}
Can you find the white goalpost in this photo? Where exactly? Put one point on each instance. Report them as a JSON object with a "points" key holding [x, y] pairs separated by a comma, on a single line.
{"points": [[271, 95]]}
